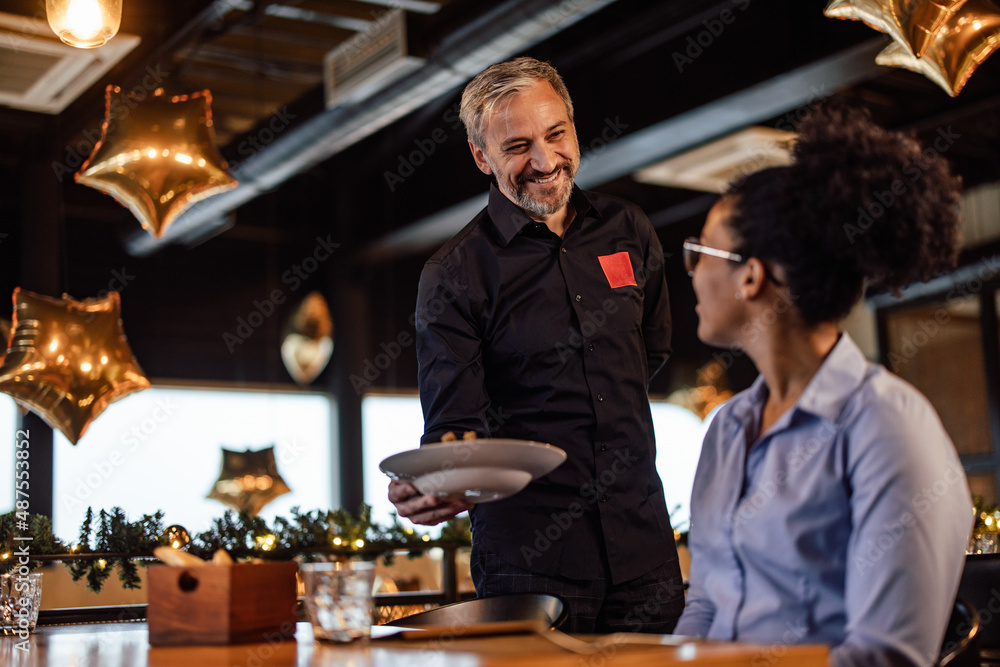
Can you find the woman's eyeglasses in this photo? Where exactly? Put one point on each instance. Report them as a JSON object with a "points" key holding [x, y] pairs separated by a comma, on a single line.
{"points": [[694, 250]]}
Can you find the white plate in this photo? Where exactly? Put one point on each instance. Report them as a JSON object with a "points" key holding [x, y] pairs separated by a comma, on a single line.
{"points": [[536, 458], [473, 485]]}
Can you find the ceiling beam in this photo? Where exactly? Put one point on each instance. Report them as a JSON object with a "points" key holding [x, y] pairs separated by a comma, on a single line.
{"points": [[415, 6], [756, 104], [496, 34]]}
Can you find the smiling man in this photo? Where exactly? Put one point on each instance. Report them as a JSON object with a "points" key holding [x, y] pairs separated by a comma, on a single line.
{"points": [[544, 319]]}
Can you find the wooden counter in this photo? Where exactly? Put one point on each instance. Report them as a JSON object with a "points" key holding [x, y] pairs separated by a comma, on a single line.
{"points": [[127, 645]]}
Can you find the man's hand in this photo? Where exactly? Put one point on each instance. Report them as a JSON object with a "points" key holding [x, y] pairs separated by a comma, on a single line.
{"points": [[425, 510]]}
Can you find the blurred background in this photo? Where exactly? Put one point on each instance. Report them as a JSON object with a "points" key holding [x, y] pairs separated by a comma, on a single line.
{"points": [[339, 120]]}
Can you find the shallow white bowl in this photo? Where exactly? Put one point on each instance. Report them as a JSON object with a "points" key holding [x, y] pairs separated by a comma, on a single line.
{"points": [[473, 485]]}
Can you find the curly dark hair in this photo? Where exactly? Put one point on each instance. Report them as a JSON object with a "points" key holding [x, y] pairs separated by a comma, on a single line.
{"points": [[858, 202]]}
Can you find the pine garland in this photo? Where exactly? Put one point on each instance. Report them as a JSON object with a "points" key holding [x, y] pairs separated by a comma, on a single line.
{"points": [[110, 539]]}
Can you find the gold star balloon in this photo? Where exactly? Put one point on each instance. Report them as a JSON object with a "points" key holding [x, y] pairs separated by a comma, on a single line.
{"points": [[965, 42], [68, 360], [308, 345], [156, 157], [913, 24], [248, 480], [4, 337]]}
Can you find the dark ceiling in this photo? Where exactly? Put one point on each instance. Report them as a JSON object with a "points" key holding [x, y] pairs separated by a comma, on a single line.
{"points": [[379, 175]]}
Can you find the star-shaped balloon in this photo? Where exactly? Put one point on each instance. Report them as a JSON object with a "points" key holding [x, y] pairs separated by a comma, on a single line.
{"points": [[911, 23], [248, 480], [68, 359], [965, 42], [4, 337], [308, 345], [157, 157]]}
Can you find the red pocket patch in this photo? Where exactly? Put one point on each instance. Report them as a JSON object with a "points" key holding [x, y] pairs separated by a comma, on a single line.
{"points": [[617, 269]]}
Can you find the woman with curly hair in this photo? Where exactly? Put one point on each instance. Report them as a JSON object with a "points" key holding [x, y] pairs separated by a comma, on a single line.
{"points": [[829, 505]]}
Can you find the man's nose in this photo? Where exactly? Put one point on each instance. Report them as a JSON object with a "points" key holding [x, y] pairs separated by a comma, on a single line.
{"points": [[544, 158]]}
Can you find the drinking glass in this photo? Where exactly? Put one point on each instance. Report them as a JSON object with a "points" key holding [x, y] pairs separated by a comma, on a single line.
{"points": [[338, 599], [984, 543], [20, 598]]}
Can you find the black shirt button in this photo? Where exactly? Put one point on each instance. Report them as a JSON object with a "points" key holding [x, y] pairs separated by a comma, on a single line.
{"points": [[604, 497], [604, 447], [591, 347], [578, 297], [564, 249], [600, 397]]}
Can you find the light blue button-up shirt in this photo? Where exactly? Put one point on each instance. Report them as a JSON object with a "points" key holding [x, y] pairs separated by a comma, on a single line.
{"points": [[845, 523]]}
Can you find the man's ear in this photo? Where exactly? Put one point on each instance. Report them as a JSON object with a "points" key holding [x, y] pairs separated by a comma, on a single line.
{"points": [[480, 158]]}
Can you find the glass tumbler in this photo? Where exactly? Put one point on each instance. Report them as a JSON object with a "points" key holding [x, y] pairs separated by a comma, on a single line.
{"points": [[20, 598], [338, 599]]}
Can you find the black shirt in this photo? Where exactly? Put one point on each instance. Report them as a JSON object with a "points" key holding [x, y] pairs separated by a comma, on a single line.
{"points": [[522, 334]]}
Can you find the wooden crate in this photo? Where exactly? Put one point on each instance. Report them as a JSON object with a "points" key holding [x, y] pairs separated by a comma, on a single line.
{"points": [[221, 604]]}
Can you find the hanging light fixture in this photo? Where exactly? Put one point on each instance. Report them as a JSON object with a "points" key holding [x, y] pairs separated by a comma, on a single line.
{"points": [[85, 24]]}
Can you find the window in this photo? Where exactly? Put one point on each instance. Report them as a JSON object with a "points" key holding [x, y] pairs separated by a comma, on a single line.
{"points": [[8, 425], [390, 424], [679, 434], [942, 338], [393, 424], [160, 449]]}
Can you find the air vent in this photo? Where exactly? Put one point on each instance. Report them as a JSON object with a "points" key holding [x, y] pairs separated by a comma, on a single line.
{"points": [[40, 73], [369, 60], [711, 167]]}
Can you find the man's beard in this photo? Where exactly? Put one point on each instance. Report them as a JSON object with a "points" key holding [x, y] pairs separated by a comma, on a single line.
{"points": [[541, 208]]}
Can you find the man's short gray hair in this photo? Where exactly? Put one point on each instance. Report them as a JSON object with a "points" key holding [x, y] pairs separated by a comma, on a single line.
{"points": [[497, 84]]}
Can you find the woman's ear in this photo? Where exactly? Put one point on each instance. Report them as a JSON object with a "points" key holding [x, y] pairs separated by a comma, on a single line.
{"points": [[754, 278]]}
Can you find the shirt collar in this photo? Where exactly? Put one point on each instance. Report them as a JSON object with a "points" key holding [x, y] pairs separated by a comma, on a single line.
{"points": [[837, 379], [841, 373], [510, 219]]}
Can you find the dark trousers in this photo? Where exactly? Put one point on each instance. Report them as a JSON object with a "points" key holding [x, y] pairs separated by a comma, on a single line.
{"points": [[650, 603]]}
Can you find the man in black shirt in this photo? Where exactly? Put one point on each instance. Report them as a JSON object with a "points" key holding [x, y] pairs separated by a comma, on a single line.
{"points": [[545, 319]]}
